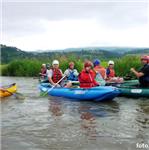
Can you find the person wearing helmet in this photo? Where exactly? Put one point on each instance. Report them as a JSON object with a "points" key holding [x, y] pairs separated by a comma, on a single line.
{"points": [[54, 74], [43, 71], [98, 71], [87, 76], [71, 73], [98, 68], [45, 78], [110, 70], [111, 76], [143, 73]]}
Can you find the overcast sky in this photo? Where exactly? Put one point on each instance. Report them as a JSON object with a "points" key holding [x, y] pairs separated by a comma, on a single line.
{"points": [[36, 25]]}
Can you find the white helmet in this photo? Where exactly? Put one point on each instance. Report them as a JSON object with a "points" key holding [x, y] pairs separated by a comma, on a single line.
{"points": [[43, 65], [111, 62], [55, 62]]}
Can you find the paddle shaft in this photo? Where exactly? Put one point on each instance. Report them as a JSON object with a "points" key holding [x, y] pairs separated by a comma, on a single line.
{"points": [[54, 85], [16, 95]]}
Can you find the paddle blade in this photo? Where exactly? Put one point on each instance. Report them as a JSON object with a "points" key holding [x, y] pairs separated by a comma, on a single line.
{"points": [[19, 96], [44, 93]]}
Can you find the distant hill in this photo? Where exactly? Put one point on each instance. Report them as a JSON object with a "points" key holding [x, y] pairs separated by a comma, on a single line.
{"points": [[139, 51], [119, 50], [9, 54]]}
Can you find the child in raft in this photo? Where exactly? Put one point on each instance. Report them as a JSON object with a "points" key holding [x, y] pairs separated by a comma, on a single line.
{"points": [[111, 76]]}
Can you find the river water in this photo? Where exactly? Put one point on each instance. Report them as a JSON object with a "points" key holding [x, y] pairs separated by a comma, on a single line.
{"points": [[49, 123]]}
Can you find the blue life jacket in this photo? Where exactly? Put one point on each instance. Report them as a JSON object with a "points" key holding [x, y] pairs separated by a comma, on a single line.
{"points": [[72, 77], [107, 71]]}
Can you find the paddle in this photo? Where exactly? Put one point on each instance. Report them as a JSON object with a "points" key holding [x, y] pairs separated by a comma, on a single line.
{"points": [[129, 76], [16, 95], [126, 86], [124, 82], [45, 93]]}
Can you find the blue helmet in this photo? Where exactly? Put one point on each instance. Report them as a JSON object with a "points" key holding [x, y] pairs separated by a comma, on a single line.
{"points": [[96, 62]]}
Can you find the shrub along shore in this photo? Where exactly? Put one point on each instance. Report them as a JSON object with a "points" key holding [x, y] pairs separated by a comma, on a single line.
{"points": [[31, 67]]}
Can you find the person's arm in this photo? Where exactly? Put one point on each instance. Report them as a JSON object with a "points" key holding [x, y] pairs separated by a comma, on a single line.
{"points": [[105, 76], [76, 72], [137, 74], [66, 73], [62, 72], [95, 82], [51, 81]]}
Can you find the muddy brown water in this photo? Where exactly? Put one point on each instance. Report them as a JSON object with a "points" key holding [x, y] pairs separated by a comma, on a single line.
{"points": [[50, 123]]}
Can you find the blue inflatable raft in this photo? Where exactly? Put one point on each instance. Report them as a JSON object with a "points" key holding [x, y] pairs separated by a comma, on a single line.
{"points": [[99, 93]]}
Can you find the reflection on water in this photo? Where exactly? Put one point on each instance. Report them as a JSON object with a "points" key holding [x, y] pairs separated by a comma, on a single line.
{"points": [[43, 123], [89, 125], [55, 108], [142, 120]]}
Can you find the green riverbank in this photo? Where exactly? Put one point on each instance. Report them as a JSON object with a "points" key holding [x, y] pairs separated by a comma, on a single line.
{"points": [[31, 67]]}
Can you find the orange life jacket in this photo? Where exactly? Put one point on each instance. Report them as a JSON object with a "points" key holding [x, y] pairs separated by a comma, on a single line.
{"points": [[110, 73], [101, 70], [57, 75]]}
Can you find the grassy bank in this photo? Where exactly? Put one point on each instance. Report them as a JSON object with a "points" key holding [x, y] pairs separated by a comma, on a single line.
{"points": [[123, 65], [31, 67]]}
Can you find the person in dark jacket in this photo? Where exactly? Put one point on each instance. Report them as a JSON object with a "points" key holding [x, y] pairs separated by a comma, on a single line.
{"points": [[143, 73]]}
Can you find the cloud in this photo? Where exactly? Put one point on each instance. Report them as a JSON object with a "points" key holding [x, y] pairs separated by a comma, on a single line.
{"points": [[55, 25]]}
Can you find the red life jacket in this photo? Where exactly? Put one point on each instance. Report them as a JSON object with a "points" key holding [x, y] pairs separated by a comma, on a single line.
{"points": [[57, 75], [101, 70], [87, 79], [43, 70], [111, 73]]}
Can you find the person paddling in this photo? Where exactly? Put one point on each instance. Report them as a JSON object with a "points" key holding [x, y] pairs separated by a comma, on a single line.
{"points": [[143, 73], [55, 74], [87, 76]]}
